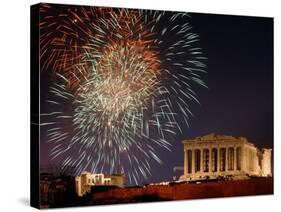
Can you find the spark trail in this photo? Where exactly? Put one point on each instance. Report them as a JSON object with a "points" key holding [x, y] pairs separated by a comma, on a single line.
{"points": [[123, 85]]}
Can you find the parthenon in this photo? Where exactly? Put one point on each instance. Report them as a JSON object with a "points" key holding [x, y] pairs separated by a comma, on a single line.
{"points": [[213, 156]]}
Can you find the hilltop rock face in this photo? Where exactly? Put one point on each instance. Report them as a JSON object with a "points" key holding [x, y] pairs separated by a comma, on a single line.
{"points": [[257, 186]]}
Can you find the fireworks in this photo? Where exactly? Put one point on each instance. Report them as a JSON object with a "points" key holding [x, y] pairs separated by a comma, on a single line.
{"points": [[123, 83]]}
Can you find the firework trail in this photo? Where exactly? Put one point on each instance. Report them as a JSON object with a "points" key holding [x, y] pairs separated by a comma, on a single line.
{"points": [[124, 81]]}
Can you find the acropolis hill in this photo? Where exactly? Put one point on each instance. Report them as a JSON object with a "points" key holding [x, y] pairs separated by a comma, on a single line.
{"points": [[184, 191]]}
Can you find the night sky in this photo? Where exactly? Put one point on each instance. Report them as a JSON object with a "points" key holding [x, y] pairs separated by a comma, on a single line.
{"points": [[239, 101], [239, 98]]}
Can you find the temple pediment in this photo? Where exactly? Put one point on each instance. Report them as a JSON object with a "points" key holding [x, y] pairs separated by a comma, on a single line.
{"points": [[216, 137], [213, 136]]}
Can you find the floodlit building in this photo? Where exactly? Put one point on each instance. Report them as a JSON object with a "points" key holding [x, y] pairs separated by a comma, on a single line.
{"points": [[87, 180], [214, 156]]}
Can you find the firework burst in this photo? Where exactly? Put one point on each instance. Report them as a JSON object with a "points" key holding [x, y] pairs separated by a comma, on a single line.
{"points": [[123, 85]]}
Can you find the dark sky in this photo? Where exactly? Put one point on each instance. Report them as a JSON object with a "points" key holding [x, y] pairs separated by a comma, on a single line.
{"points": [[239, 100]]}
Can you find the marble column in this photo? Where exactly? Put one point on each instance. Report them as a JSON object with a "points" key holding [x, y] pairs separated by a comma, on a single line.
{"points": [[201, 160], [193, 161], [210, 160], [226, 159], [243, 158], [185, 162], [234, 158], [218, 160]]}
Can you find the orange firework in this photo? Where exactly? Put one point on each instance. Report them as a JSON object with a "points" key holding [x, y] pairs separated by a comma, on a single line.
{"points": [[128, 77], [73, 40]]}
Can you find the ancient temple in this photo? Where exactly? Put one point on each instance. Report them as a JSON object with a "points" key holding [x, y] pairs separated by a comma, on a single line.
{"points": [[214, 156]]}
